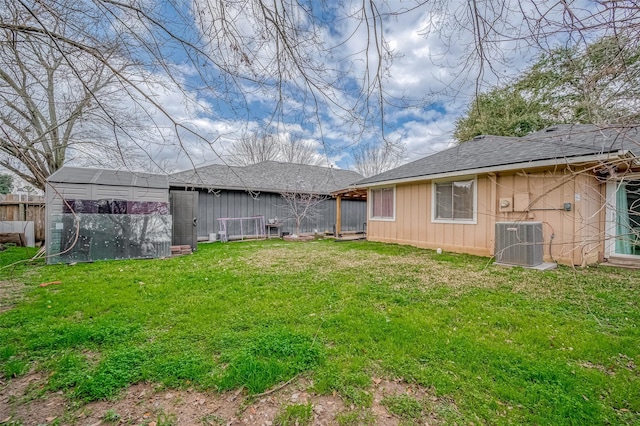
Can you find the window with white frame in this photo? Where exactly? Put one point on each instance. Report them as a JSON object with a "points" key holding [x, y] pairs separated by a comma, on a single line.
{"points": [[454, 201], [383, 203]]}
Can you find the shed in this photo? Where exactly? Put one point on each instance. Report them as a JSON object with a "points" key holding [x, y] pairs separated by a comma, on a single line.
{"points": [[98, 214]]}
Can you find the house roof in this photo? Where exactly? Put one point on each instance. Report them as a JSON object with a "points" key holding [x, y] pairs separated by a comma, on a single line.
{"points": [[561, 143], [268, 176], [68, 174]]}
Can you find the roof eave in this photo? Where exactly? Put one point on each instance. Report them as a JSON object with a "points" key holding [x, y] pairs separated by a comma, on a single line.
{"points": [[243, 188], [501, 168], [95, 180]]}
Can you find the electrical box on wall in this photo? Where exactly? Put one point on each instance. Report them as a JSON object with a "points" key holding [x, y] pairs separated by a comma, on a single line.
{"points": [[505, 204]]}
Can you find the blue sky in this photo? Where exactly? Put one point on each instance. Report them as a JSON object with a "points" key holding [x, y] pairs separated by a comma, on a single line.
{"points": [[422, 122], [429, 84], [188, 109]]}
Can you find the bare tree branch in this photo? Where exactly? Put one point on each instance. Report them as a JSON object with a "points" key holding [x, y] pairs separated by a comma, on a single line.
{"points": [[256, 148], [370, 160], [301, 206]]}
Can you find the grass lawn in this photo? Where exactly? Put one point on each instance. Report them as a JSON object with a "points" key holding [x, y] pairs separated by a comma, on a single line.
{"points": [[504, 346]]}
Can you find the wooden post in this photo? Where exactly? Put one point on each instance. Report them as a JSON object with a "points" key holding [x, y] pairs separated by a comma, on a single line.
{"points": [[338, 215], [22, 211]]}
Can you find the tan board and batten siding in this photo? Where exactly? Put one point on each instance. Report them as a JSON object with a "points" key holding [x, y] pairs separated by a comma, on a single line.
{"points": [[578, 234]]}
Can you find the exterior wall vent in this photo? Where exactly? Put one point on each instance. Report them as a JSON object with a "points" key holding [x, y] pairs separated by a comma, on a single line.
{"points": [[519, 243]]}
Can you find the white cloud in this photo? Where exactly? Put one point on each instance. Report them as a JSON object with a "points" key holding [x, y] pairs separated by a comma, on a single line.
{"points": [[431, 48]]}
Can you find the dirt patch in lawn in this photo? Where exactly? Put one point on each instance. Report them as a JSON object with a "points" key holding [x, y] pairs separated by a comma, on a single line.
{"points": [[23, 402], [299, 238], [11, 292]]}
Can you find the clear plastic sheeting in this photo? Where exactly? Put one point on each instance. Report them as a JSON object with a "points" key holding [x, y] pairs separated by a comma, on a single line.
{"points": [[115, 207], [108, 236]]}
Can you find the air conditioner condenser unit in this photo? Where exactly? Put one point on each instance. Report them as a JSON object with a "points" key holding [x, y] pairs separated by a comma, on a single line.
{"points": [[519, 243]]}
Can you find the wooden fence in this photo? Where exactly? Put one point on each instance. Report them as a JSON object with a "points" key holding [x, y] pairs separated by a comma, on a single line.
{"points": [[26, 208]]}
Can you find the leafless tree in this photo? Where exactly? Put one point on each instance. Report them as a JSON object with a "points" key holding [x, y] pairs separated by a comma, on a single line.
{"points": [[370, 159], [301, 206], [57, 102], [254, 149], [235, 51], [288, 148], [294, 149], [490, 37], [231, 50]]}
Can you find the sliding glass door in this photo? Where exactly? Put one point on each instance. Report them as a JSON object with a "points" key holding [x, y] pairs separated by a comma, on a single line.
{"points": [[627, 218]]}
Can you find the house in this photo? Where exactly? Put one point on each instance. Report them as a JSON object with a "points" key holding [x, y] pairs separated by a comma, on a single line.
{"points": [[98, 214], [216, 192], [578, 184]]}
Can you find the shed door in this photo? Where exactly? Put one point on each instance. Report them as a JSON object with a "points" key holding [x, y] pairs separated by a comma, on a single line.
{"points": [[184, 209]]}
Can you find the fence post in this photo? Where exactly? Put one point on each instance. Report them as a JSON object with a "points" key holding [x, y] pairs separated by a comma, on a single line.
{"points": [[22, 211]]}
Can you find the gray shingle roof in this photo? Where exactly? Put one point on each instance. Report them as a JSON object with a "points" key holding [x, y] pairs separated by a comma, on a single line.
{"points": [[268, 176], [557, 142], [68, 174]]}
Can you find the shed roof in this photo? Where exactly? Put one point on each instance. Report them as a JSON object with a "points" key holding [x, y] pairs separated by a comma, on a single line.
{"points": [[268, 176], [562, 142], [68, 174]]}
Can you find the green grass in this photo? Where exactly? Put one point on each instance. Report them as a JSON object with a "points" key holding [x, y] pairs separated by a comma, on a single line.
{"points": [[403, 406], [111, 416], [498, 345], [14, 261], [355, 418], [295, 415]]}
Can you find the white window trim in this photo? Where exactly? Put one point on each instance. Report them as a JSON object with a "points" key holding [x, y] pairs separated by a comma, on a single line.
{"points": [[610, 233], [610, 222], [379, 218], [473, 221]]}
